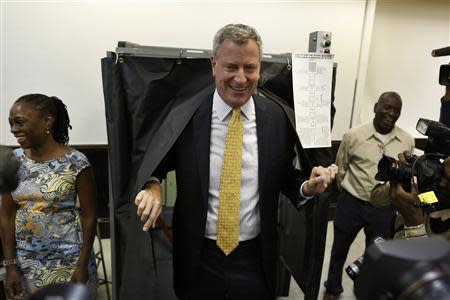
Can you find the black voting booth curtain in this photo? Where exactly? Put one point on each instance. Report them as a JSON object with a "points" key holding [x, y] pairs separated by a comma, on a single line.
{"points": [[148, 101]]}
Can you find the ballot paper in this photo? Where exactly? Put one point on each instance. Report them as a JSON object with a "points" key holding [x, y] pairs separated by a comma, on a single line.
{"points": [[312, 75]]}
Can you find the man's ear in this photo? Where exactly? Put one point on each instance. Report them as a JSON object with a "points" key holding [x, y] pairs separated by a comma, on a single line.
{"points": [[375, 106], [213, 65]]}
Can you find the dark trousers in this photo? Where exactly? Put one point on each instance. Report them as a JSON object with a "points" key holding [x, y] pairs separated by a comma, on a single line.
{"points": [[238, 276], [351, 215]]}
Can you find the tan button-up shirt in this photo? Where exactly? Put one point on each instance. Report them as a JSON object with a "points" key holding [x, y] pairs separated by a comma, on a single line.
{"points": [[359, 154]]}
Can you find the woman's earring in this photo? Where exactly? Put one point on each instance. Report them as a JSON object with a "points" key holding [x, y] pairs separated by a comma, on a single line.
{"points": [[48, 131]]}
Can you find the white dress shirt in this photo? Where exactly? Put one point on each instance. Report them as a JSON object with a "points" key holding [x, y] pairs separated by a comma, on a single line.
{"points": [[249, 208], [249, 226]]}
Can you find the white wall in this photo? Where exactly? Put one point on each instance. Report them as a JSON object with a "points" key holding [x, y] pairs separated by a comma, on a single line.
{"points": [[404, 33], [55, 47]]}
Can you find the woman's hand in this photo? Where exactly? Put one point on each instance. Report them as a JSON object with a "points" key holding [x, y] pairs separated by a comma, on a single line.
{"points": [[80, 275], [13, 283]]}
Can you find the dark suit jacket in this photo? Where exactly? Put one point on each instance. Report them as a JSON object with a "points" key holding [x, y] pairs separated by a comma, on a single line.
{"points": [[190, 158]]}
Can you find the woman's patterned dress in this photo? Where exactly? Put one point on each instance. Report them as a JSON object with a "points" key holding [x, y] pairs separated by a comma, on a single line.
{"points": [[49, 236]]}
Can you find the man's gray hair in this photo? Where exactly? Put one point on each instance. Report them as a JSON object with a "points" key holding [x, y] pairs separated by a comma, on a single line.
{"points": [[239, 34]]}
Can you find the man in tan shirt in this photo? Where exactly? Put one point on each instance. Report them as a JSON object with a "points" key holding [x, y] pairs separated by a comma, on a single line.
{"points": [[357, 158]]}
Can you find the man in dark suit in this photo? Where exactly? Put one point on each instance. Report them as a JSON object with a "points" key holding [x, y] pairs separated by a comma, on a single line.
{"points": [[224, 222]]}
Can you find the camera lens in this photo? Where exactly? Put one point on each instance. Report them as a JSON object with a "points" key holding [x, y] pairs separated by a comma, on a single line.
{"points": [[391, 169], [424, 283], [353, 269]]}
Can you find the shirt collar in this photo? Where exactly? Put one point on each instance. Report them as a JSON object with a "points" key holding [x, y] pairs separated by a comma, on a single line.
{"points": [[223, 109], [394, 134]]}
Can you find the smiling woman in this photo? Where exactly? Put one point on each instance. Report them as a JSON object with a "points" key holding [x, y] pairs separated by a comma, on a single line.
{"points": [[33, 117], [46, 240]]}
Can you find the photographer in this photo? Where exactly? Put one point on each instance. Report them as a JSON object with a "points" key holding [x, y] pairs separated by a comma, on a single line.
{"points": [[414, 218], [410, 220]]}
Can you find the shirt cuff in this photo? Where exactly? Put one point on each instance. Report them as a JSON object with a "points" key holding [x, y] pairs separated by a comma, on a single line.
{"points": [[301, 192], [152, 178], [414, 231]]}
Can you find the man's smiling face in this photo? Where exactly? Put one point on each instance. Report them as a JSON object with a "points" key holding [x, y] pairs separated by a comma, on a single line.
{"points": [[236, 71]]}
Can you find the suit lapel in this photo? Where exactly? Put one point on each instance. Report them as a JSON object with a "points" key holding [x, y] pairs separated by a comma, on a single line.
{"points": [[202, 131], [263, 120]]}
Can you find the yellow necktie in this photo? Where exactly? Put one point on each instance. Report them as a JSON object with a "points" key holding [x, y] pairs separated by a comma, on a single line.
{"points": [[230, 186]]}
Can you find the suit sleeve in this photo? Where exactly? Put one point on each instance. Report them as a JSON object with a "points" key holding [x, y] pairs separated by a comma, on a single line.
{"points": [[166, 165], [294, 179]]}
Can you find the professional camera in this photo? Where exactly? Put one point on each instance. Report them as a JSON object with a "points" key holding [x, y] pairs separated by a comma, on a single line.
{"points": [[405, 269], [427, 169]]}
